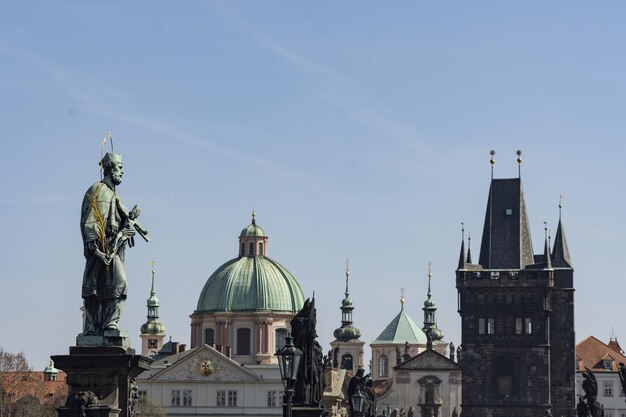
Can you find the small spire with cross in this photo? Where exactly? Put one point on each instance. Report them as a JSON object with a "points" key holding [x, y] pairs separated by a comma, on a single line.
{"points": [[492, 161], [402, 297]]}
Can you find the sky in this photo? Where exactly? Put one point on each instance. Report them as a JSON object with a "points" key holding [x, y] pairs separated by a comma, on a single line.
{"points": [[356, 130]]}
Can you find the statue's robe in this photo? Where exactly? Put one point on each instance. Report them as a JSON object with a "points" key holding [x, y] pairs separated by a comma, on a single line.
{"points": [[104, 286]]}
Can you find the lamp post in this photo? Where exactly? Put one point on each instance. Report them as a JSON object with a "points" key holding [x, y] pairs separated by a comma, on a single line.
{"points": [[289, 363], [357, 401]]}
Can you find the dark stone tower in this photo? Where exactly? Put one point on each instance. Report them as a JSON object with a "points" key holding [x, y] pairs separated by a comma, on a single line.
{"points": [[517, 313]]}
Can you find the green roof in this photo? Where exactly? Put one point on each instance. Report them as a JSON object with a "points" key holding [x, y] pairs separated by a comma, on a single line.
{"points": [[248, 284], [253, 230], [402, 329]]}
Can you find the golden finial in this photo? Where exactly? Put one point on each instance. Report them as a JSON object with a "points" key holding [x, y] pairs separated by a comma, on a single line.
{"points": [[253, 216], [462, 231], [152, 290], [402, 297], [430, 272]]}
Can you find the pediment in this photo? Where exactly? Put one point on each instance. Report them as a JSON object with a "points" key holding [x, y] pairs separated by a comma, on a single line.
{"points": [[205, 364], [429, 359]]}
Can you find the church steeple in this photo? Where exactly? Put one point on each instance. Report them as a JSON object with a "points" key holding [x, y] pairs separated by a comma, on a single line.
{"points": [[347, 348], [560, 253], [152, 331], [430, 311], [347, 331]]}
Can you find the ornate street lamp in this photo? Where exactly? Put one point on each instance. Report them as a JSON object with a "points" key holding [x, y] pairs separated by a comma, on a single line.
{"points": [[289, 363], [357, 401]]}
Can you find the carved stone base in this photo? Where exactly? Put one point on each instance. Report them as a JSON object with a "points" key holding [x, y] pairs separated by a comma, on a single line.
{"points": [[111, 338], [306, 411], [100, 380]]}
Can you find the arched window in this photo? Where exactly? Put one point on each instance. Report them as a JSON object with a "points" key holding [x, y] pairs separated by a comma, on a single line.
{"points": [[243, 247], [209, 337], [261, 248], [281, 334], [346, 361], [243, 341], [383, 365], [251, 249]]}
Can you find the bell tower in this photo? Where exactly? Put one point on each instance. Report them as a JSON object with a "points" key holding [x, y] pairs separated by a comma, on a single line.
{"points": [[152, 331]]}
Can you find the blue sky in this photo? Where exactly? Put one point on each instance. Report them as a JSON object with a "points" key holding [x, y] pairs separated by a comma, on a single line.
{"points": [[356, 130]]}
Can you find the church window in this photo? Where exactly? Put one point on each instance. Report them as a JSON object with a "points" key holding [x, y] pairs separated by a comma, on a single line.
{"points": [[209, 337], [142, 393], [187, 398], [232, 398], [272, 398], [251, 249], [346, 360], [243, 341], [175, 398], [242, 248], [281, 335], [260, 248], [221, 398], [383, 365], [481, 326], [153, 343], [608, 388]]}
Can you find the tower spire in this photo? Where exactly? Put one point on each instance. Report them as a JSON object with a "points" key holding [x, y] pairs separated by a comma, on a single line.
{"points": [[462, 258], [469, 248], [347, 331], [560, 252], [430, 311], [519, 164], [547, 262]]}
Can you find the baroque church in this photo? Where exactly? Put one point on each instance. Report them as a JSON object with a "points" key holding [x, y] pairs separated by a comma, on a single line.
{"points": [[242, 317]]}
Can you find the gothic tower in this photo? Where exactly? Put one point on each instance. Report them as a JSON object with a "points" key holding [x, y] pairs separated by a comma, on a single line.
{"points": [[152, 331], [347, 347], [517, 314]]}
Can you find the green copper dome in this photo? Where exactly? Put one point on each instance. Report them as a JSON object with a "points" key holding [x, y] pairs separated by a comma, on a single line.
{"points": [[251, 283], [252, 231]]}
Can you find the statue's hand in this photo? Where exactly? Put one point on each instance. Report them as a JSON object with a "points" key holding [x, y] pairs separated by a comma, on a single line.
{"points": [[129, 232], [106, 259]]}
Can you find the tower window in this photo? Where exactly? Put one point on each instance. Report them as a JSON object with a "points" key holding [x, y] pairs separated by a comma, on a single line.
{"points": [[243, 341], [209, 337], [528, 325], [518, 326], [491, 326], [281, 334], [242, 248], [153, 343], [346, 361], [251, 249], [383, 365], [481, 326], [260, 248]]}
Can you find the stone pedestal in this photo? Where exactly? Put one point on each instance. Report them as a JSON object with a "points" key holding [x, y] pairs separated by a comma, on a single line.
{"points": [[100, 381], [298, 410]]}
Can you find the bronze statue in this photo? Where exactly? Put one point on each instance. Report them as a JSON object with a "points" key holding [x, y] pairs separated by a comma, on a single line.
{"points": [[107, 227], [310, 381], [590, 386], [622, 376]]}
